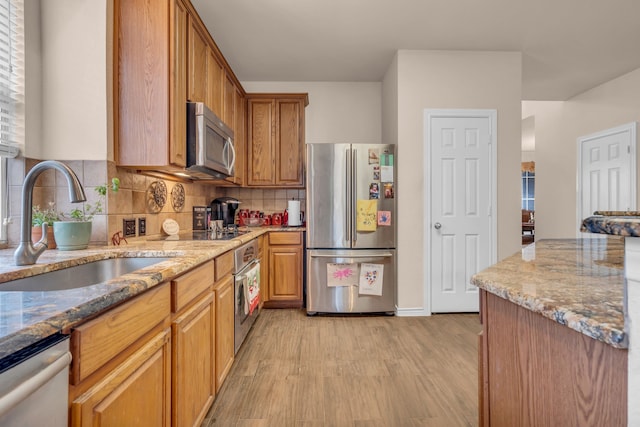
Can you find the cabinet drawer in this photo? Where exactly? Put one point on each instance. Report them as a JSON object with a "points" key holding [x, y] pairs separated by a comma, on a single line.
{"points": [[99, 340], [224, 265], [188, 286], [285, 238]]}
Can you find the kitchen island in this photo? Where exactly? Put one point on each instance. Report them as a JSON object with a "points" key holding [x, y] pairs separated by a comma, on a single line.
{"points": [[553, 348]]}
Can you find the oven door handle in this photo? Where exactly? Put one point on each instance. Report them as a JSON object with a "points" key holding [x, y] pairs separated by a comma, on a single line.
{"points": [[242, 273]]}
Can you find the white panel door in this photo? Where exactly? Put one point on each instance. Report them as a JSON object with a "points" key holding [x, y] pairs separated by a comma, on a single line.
{"points": [[461, 205], [607, 171]]}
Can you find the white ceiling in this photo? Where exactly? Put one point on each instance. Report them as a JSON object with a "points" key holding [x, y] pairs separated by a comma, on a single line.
{"points": [[568, 46]]}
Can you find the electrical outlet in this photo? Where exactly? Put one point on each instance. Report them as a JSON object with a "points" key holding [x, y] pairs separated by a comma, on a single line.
{"points": [[129, 227], [142, 226]]}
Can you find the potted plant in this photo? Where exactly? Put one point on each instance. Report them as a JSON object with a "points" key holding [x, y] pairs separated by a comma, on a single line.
{"points": [[73, 231], [44, 216]]}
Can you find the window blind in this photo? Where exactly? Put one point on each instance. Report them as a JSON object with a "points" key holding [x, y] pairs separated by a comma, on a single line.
{"points": [[11, 72]]}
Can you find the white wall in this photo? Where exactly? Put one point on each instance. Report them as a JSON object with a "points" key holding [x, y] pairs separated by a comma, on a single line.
{"points": [[33, 80], [338, 112], [390, 103], [529, 139], [74, 79], [452, 79], [558, 126]]}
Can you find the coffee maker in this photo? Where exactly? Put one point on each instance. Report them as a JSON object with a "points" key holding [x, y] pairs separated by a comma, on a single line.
{"points": [[224, 208]]}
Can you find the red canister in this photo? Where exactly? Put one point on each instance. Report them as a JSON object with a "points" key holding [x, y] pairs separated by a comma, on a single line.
{"points": [[276, 219]]}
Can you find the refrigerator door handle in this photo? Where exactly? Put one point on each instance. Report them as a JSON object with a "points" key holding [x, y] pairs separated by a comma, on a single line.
{"points": [[376, 255], [354, 192], [347, 197]]}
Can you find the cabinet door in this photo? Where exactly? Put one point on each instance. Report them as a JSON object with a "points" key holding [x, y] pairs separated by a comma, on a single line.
{"points": [[193, 363], [198, 54], [178, 117], [260, 142], [240, 141], [141, 87], [289, 140], [215, 83], [285, 275], [229, 103], [136, 393], [224, 329]]}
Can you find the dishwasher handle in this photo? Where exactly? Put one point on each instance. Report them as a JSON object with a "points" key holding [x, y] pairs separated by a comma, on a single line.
{"points": [[32, 384]]}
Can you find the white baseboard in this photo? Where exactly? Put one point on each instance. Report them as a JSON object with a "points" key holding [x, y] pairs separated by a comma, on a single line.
{"points": [[412, 312]]}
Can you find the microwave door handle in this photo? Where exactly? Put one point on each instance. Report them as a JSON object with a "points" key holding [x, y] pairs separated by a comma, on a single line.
{"points": [[233, 153]]}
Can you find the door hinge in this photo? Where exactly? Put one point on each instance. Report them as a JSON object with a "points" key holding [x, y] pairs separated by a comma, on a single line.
{"points": [[628, 149], [489, 211]]}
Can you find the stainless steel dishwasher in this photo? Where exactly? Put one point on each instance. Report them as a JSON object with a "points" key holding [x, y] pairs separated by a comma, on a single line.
{"points": [[34, 385]]}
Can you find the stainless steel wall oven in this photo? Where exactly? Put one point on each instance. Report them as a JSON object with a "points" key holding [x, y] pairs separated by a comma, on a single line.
{"points": [[246, 275]]}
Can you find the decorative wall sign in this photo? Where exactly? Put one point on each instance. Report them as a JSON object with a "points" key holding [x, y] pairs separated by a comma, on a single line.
{"points": [[177, 197]]}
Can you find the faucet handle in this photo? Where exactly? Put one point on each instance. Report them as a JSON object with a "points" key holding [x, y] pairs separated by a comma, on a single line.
{"points": [[44, 239]]}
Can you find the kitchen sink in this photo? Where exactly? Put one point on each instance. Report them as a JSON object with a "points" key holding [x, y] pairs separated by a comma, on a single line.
{"points": [[80, 276]]}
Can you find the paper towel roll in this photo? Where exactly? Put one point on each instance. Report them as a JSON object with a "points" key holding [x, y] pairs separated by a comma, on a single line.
{"points": [[293, 209]]}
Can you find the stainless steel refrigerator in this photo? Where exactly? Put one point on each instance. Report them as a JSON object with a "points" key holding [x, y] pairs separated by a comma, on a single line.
{"points": [[351, 228]]}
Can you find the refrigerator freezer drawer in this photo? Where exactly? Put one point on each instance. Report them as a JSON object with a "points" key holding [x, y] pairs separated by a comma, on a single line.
{"points": [[324, 298]]}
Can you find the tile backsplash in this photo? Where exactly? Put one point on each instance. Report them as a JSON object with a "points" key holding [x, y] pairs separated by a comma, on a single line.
{"points": [[133, 200], [266, 200]]}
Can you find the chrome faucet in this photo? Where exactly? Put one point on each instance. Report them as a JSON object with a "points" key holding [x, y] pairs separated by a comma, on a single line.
{"points": [[28, 253]]}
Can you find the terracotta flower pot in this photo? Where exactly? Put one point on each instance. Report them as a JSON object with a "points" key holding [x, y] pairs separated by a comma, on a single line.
{"points": [[36, 234]]}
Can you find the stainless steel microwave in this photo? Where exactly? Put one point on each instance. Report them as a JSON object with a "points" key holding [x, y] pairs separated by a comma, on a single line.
{"points": [[210, 151]]}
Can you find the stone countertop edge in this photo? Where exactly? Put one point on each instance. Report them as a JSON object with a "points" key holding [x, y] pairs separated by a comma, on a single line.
{"points": [[615, 225], [578, 283], [28, 317]]}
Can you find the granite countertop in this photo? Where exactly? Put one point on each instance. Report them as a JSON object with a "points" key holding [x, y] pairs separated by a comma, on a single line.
{"points": [[28, 317], [613, 223], [575, 282]]}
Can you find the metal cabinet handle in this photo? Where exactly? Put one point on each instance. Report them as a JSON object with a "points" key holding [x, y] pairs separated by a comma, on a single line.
{"points": [[437, 226]]}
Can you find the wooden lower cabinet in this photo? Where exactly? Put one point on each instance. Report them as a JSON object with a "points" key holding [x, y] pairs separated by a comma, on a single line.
{"points": [[536, 372], [193, 376], [224, 348], [285, 260], [136, 393]]}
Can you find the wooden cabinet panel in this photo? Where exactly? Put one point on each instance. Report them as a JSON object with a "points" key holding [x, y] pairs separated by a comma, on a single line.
{"points": [[178, 86], [193, 363], [285, 238], [99, 340], [215, 84], [224, 329], [136, 393], [141, 89], [189, 285], [198, 55], [224, 265], [260, 143], [240, 137], [537, 372], [229, 104], [285, 274], [289, 138]]}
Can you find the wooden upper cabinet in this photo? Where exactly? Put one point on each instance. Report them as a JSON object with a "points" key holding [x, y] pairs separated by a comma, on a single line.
{"points": [[198, 55], [240, 136], [215, 83], [229, 105], [141, 77], [178, 117], [275, 140]]}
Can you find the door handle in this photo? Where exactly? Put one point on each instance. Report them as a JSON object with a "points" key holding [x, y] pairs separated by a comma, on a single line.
{"points": [[437, 226]]}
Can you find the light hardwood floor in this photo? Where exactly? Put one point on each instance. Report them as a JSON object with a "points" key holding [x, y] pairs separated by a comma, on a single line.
{"points": [[295, 370]]}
